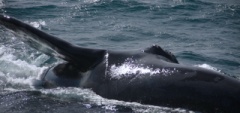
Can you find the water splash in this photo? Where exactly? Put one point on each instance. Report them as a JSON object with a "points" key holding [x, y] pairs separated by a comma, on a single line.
{"points": [[130, 68], [80, 94], [16, 73], [37, 24]]}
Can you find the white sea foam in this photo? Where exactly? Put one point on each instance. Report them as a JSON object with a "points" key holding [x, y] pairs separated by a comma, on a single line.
{"points": [[38, 24], [16, 73], [91, 1], [85, 95]]}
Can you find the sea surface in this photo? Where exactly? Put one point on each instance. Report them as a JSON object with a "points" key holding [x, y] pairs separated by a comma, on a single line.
{"points": [[204, 33]]}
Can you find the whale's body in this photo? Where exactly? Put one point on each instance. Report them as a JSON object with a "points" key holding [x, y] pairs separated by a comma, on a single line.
{"points": [[151, 76]]}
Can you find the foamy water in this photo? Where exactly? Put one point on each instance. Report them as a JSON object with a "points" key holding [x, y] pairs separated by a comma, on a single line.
{"points": [[38, 24]]}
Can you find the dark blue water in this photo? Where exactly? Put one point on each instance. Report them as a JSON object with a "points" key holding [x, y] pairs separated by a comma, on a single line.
{"points": [[204, 33]]}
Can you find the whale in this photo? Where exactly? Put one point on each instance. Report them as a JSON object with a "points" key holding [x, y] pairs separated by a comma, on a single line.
{"points": [[151, 76]]}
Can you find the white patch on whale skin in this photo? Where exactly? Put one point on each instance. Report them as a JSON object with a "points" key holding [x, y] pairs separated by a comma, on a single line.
{"points": [[106, 61], [206, 66], [85, 76], [129, 68]]}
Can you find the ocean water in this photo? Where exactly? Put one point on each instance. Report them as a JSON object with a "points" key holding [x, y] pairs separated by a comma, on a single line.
{"points": [[204, 33]]}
